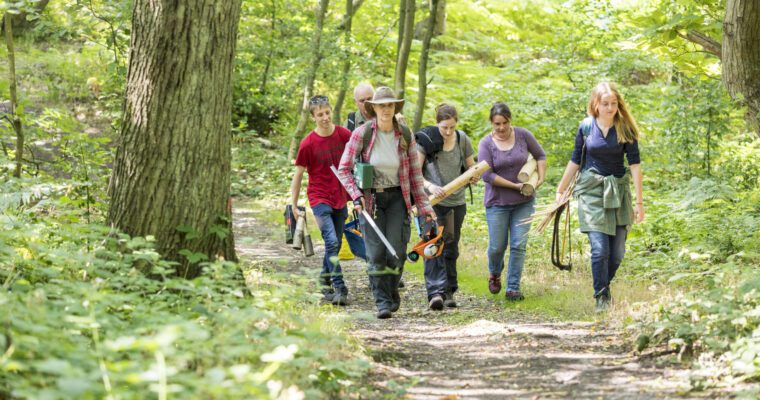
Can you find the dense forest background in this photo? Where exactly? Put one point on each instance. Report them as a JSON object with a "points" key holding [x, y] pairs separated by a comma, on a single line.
{"points": [[87, 308]]}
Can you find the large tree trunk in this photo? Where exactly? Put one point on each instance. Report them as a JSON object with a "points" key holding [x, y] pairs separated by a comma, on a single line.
{"points": [[402, 59], [15, 120], [351, 6], [423, 64], [311, 75], [171, 176], [741, 55]]}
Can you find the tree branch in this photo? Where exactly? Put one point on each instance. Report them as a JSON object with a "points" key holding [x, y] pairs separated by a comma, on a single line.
{"points": [[710, 45]]}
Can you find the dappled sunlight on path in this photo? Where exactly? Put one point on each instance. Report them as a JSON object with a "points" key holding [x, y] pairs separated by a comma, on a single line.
{"points": [[479, 350]]}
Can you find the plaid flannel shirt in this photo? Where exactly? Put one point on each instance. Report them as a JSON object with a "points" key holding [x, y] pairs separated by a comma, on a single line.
{"points": [[409, 172]]}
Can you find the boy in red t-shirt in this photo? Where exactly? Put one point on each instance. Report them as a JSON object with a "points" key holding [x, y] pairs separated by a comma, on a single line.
{"points": [[321, 149]]}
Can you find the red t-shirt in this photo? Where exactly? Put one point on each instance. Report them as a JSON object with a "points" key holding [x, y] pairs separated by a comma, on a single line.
{"points": [[317, 154]]}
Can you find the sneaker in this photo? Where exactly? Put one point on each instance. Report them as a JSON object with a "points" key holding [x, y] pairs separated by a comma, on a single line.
{"points": [[340, 299], [494, 284], [384, 314], [450, 302], [436, 303], [514, 295]]}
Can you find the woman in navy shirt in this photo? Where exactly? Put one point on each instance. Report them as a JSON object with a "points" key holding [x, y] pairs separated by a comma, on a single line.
{"points": [[605, 204]]}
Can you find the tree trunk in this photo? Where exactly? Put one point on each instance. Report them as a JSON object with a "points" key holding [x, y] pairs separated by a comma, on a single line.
{"points": [[270, 52], [741, 56], [347, 18], [440, 19], [15, 120], [402, 58], [311, 75], [423, 64], [171, 177]]}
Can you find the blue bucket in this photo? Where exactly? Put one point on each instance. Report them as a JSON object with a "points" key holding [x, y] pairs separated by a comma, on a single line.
{"points": [[354, 238]]}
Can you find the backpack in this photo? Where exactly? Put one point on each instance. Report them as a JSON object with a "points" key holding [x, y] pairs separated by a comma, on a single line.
{"points": [[367, 136], [431, 141], [351, 123]]}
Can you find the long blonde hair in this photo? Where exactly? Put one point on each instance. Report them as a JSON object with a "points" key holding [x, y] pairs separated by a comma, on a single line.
{"points": [[625, 125]]}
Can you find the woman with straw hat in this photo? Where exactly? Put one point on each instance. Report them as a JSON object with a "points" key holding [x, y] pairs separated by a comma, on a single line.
{"points": [[389, 148]]}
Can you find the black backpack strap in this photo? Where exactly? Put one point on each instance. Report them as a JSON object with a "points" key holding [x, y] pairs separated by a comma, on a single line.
{"points": [[586, 126], [351, 123], [366, 137]]}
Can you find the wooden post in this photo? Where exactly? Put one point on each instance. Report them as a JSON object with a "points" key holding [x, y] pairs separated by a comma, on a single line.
{"points": [[475, 172]]}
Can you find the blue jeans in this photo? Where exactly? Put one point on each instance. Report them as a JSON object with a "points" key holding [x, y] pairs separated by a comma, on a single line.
{"points": [[330, 221], [505, 223], [606, 255], [441, 272]]}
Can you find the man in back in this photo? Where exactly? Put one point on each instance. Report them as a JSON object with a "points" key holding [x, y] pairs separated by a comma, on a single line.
{"points": [[362, 93]]}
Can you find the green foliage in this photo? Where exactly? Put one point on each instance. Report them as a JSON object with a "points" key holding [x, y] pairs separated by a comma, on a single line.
{"points": [[91, 314]]}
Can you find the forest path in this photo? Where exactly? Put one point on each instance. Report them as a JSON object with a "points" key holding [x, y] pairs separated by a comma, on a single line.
{"points": [[478, 350]]}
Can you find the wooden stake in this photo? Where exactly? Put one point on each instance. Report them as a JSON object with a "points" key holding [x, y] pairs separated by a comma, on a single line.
{"points": [[474, 172]]}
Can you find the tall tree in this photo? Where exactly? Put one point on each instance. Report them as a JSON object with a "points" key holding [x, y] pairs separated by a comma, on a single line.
{"points": [[406, 30], [15, 120], [171, 176], [351, 7], [423, 64], [738, 50], [311, 75], [741, 55]]}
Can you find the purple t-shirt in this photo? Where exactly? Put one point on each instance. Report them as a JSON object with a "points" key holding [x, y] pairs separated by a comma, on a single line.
{"points": [[507, 164]]}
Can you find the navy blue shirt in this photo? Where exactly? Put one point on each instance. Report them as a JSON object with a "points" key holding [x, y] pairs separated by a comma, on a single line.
{"points": [[605, 155]]}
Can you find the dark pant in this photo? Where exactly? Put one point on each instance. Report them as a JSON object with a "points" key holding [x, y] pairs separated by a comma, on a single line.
{"points": [[383, 268], [441, 272], [331, 221], [606, 255]]}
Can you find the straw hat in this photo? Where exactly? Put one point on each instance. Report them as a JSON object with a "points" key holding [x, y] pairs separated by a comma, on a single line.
{"points": [[384, 95]]}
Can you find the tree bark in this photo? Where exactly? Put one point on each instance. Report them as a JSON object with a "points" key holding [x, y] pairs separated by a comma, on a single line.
{"points": [[710, 45], [440, 19], [423, 64], [311, 75], [15, 120], [741, 56], [171, 176], [351, 7], [402, 58]]}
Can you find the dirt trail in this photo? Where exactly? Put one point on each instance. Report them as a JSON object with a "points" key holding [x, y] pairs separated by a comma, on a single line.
{"points": [[489, 353]]}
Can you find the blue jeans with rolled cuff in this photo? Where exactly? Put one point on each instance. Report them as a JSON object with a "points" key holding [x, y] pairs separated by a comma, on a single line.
{"points": [[505, 226], [330, 222], [606, 256]]}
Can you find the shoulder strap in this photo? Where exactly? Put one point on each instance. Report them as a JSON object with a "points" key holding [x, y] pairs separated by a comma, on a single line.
{"points": [[586, 126], [366, 137], [351, 123], [406, 133]]}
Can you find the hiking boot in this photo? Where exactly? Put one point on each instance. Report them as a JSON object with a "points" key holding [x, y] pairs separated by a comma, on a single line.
{"points": [[327, 295], [494, 284], [384, 314], [514, 295], [340, 299], [401, 284], [450, 302], [396, 297], [602, 304], [436, 303]]}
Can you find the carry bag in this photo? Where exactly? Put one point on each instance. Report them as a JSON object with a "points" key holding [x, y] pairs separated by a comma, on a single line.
{"points": [[353, 235]]}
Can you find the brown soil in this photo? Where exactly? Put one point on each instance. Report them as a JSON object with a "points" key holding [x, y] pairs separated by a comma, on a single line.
{"points": [[478, 350]]}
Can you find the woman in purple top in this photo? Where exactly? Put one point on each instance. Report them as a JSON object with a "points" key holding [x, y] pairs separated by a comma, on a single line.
{"points": [[506, 150]]}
